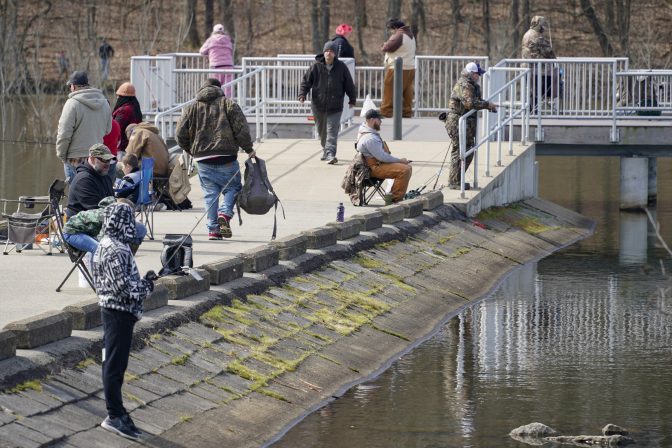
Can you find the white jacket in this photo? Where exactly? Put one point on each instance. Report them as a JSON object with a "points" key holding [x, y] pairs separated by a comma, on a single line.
{"points": [[86, 118]]}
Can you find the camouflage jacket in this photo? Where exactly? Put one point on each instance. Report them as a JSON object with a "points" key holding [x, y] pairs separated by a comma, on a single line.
{"points": [[213, 126], [466, 95], [535, 44], [88, 221]]}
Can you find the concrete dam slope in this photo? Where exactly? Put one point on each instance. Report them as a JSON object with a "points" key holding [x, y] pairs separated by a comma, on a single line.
{"points": [[239, 364]]}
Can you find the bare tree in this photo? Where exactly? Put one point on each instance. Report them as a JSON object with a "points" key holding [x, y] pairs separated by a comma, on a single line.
{"points": [[418, 19], [227, 13], [209, 16], [361, 22], [457, 19], [602, 38], [394, 9], [515, 27], [486, 26], [623, 9], [525, 14], [249, 16], [314, 18], [324, 21], [189, 17]]}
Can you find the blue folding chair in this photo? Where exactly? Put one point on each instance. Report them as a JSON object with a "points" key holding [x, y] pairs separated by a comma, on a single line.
{"points": [[146, 203]]}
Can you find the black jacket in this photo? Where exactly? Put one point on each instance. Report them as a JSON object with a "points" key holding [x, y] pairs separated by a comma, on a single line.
{"points": [[345, 50], [87, 189], [328, 88]]}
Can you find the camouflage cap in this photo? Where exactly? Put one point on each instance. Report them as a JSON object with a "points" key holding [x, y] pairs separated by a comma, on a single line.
{"points": [[101, 151]]}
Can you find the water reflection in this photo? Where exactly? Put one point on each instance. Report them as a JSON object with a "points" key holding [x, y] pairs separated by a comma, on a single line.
{"points": [[581, 339]]}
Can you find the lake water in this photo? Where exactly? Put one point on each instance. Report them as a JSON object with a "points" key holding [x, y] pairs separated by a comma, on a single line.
{"points": [[578, 340]]}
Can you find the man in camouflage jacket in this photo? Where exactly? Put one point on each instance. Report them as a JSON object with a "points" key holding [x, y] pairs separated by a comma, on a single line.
{"points": [[211, 130], [536, 46], [466, 96]]}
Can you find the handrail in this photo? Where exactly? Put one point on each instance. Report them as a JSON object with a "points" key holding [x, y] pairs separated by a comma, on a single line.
{"points": [[522, 111]]}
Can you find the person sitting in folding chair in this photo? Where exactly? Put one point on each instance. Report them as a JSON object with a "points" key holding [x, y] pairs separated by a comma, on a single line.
{"points": [[381, 163], [129, 186], [82, 231], [91, 183]]}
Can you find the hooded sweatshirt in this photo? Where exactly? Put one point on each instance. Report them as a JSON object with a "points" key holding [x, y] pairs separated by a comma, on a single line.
{"points": [[86, 118], [115, 274], [213, 126], [219, 50], [144, 141], [328, 87], [370, 144], [87, 189], [535, 45], [89, 222]]}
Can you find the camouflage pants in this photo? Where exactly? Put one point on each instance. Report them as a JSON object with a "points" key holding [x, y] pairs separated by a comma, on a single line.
{"points": [[454, 134]]}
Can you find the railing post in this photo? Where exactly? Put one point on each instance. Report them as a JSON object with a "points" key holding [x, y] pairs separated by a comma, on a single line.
{"points": [[539, 134], [416, 85], [614, 137], [398, 103], [463, 144], [510, 109], [264, 95], [257, 125]]}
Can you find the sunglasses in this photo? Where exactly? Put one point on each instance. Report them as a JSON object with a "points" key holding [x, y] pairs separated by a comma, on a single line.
{"points": [[103, 160]]}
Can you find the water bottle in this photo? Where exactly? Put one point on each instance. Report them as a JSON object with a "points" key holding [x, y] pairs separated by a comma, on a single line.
{"points": [[340, 212]]}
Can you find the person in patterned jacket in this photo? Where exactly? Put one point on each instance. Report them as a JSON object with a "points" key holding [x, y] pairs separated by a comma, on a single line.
{"points": [[121, 293]]}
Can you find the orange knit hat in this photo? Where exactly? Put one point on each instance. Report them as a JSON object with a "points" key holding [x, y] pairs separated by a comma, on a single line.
{"points": [[126, 89]]}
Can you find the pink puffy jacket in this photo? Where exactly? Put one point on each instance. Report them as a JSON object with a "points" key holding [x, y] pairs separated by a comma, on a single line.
{"points": [[219, 50]]}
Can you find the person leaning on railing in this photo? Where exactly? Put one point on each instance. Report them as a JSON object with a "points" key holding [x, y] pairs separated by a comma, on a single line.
{"points": [[466, 96], [536, 46]]}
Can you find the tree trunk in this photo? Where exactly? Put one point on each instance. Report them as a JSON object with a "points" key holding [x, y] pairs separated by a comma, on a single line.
{"points": [[191, 33], [324, 21], [525, 14], [314, 18], [623, 8], [250, 27], [457, 18], [418, 19], [394, 9], [227, 16], [361, 22], [486, 26], [209, 16], [514, 24], [602, 38]]}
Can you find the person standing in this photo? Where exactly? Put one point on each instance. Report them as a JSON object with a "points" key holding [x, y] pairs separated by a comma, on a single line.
{"points": [[105, 52], [465, 96], [401, 44], [63, 65], [211, 130], [344, 49], [536, 46], [379, 159], [121, 293], [219, 50], [328, 80], [85, 119], [126, 111]]}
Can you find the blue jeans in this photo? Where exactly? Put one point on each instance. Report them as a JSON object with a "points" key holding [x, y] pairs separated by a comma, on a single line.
{"points": [[328, 126], [70, 172], [87, 243], [213, 180]]}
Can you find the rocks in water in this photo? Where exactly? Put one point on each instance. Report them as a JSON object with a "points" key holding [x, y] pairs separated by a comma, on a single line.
{"points": [[534, 430], [538, 434], [611, 429], [612, 441]]}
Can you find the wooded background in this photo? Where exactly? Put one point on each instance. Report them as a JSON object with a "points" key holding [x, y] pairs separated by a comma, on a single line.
{"points": [[34, 32]]}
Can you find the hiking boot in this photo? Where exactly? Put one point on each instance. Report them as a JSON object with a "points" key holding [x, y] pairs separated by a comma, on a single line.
{"points": [[214, 236], [388, 199], [467, 186], [224, 226], [324, 156], [332, 160], [118, 426]]}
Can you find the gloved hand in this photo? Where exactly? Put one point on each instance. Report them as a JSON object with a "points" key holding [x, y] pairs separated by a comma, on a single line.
{"points": [[151, 276]]}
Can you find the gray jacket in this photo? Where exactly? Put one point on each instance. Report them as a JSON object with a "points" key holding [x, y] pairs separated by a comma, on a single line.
{"points": [[370, 144], [86, 118]]}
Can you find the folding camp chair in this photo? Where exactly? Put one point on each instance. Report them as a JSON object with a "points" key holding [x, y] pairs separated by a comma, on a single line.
{"points": [[371, 186], [24, 228], [76, 255], [146, 202]]}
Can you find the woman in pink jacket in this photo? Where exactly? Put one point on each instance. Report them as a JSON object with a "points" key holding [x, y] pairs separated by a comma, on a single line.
{"points": [[219, 50]]}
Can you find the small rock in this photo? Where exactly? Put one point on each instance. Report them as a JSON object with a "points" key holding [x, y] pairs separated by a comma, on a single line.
{"points": [[534, 430], [611, 429]]}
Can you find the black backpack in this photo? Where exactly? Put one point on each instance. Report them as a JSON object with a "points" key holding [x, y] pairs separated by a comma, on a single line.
{"points": [[257, 196], [177, 252]]}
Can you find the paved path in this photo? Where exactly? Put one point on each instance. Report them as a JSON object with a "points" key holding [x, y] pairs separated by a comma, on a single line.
{"points": [[309, 189]]}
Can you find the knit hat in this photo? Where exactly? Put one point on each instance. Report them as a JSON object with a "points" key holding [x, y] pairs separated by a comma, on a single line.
{"points": [[78, 79], [373, 113], [126, 89], [343, 29], [219, 28], [330, 45], [101, 151], [474, 68]]}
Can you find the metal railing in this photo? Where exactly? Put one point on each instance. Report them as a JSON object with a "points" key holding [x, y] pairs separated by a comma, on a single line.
{"points": [[250, 88], [513, 101]]}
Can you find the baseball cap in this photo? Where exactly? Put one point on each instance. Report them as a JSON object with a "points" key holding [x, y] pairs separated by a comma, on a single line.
{"points": [[373, 113], [474, 68], [219, 28], [78, 78], [101, 151]]}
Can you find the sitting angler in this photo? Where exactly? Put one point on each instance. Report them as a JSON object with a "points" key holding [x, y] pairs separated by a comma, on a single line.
{"points": [[382, 164], [129, 186]]}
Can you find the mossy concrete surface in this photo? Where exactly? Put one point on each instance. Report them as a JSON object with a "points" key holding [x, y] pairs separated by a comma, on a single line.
{"points": [[251, 366]]}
